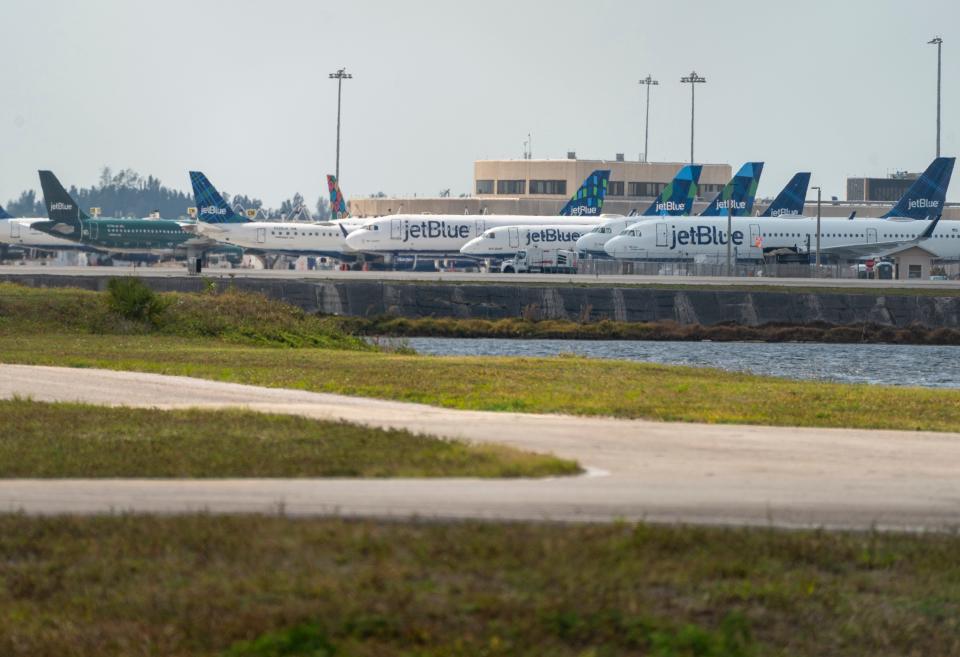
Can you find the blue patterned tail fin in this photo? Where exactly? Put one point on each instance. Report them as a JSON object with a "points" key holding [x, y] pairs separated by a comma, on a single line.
{"points": [[588, 201], [737, 196], [61, 207], [926, 196], [676, 199], [338, 205], [211, 208], [790, 200], [4, 214]]}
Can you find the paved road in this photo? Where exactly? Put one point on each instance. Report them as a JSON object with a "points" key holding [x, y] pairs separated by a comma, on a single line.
{"points": [[462, 277], [638, 470]]}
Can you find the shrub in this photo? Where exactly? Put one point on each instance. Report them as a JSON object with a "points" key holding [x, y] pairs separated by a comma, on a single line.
{"points": [[133, 300]]}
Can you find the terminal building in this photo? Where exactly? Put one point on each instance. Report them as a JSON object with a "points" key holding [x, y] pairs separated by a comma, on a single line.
{"points": [[542, 187]]}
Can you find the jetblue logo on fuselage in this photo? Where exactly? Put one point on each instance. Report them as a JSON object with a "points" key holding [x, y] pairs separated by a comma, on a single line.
{"points": [[61, 206], [552, 235], [923, 203], [212, 209], [671, 206], [433, 229], [702, 236], [784, 213]]}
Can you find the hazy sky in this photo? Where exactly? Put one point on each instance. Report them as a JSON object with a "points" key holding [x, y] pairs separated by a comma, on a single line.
{"points": [[239, 89]]}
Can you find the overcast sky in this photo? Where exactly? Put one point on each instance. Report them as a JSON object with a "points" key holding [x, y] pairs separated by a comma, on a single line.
{"points": [[239, 89]]}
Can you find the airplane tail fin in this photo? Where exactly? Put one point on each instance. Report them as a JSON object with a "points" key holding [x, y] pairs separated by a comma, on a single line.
{"points": [[211, 208], [676, 199], [926, 196], [338, 205], [588, 201], [4, 214], [61, 208], [790, 200], [737, 196]]}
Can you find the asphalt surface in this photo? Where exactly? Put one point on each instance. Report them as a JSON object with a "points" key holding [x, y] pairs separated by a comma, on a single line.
{"points": [[464, 277], [637, 470]]}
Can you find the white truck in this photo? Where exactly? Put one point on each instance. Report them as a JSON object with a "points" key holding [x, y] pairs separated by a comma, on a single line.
{"points": [[536, 260]]}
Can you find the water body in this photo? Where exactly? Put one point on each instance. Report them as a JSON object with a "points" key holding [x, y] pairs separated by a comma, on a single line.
{"points": [[896, 365]]}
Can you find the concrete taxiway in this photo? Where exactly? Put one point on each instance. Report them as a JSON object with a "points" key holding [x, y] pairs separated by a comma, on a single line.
{"points": [[637, 470]]}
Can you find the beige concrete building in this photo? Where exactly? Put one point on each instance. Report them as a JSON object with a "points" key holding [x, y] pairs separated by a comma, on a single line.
{"points": [[542, 187]]}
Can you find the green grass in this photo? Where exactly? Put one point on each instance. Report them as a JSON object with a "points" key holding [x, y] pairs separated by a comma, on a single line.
{"points": [[133, 309], [265, 586], [40, 440], [549, 385], [237, 337]]}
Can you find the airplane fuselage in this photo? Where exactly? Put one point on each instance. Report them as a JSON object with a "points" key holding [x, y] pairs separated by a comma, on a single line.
{"points": [[686, 238], [321, 238], [434, 234], [507, 240]]}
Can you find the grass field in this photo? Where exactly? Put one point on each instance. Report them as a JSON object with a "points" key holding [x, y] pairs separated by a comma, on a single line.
{"points": [[549, 385], [40, 440], [266, 586], [248, 339]]}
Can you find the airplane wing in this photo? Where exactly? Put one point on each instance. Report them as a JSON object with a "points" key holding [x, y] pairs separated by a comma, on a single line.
{"points": [[861, 250]]}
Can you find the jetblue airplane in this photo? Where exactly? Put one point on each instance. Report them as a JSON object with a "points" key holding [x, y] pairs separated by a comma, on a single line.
{"points": [[790, 200], [676, 200], [907, 223], [736, 197], [507, 240], [20, 231], [218, 221], [444, 235]]}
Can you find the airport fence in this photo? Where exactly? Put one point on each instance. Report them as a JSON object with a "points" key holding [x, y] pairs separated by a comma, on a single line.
{"points": [[605, 267]]}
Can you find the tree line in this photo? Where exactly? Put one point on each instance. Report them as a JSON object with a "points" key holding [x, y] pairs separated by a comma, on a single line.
{"points": [[128, 194]]}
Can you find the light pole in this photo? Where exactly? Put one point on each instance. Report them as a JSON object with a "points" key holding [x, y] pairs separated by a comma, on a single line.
{"points": [[729, 240], [938, 42], [339, 76], [693, 80], [648, 82], [818, 230]]}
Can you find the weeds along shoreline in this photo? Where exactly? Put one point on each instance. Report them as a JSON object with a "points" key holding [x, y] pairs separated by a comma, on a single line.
{"points": [[521, 329]]}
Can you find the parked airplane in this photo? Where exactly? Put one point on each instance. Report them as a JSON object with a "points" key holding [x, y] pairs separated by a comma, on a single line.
{"points": [[507, 240], [338, 205], [789, 202], [738, 195], [133, 236], [20, 231], [446, 234], [218, 221], [907, 223]]}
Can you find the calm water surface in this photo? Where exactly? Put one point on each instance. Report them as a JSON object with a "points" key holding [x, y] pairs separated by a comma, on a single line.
{"points": [[898, 365]]}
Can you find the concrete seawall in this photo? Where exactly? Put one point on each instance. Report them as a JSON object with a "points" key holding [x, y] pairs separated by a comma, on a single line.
{"points": [[538, 301]]}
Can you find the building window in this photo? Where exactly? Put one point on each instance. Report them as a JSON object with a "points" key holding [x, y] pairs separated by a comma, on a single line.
{"points": [[547, 187], [915, 271], [484, 187], [615, 188], [643, 189], [511, 186]]}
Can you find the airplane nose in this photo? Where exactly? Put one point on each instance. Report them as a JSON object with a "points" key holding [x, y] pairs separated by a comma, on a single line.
{"points": [[612, 246], [469, 247]]}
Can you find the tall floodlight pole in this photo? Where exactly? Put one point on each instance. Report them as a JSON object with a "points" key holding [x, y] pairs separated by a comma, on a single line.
{"points": [[938, 42], [648, 82], [339, 76], [693, 80], [818, 230]]}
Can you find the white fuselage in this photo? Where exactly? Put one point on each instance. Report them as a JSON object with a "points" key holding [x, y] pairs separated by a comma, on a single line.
{"points": [[682, 238], [592, 243], [434, 234], [507, 240], [20, 232], [320, 238]]}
